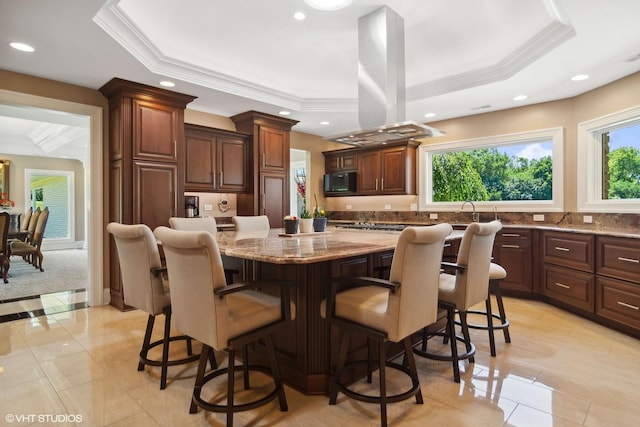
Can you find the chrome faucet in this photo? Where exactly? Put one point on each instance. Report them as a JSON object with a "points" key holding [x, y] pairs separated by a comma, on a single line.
{"points": [[495, 213], [475, 216]]}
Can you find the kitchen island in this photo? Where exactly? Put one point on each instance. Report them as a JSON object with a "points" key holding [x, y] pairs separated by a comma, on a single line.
{"points": [[307, 349]]}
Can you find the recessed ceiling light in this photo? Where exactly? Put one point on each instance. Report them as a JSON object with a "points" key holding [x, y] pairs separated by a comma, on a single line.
{"points": [[167, 83], [579, 77], [299, 16], [325, 123], [22, 46], [328, 4], [430, 115], [284, 113], [520, 98]]}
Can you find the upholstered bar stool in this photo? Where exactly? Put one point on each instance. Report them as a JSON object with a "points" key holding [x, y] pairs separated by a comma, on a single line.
{"points": [[223, 317], [460, 291], [251, 223], [389, 311], [206, 223], [145, 290], [496, 274]]}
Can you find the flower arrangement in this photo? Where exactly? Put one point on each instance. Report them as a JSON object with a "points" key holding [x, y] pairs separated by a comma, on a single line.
{"points": [[301, 187], [318, 212], [5, 201]]}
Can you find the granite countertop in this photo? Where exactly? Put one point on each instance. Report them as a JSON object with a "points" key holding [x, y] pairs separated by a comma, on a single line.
{"points": [[270, 246]]}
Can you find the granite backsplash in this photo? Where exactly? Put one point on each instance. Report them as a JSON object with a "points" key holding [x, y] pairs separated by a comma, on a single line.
{"points": [[621, 222]]}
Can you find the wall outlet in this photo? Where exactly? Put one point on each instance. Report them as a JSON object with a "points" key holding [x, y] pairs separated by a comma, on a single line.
{"points": [[413, 207], [587, 219], [433, 216], [538, 217], [349, 207], [387, 207], [208, 207]]}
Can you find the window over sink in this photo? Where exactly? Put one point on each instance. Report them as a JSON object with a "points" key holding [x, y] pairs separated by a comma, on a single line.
{"points": [[519, 172]]}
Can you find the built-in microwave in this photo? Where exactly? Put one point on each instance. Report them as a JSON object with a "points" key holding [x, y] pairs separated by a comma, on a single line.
{"points": [[340, 182]]}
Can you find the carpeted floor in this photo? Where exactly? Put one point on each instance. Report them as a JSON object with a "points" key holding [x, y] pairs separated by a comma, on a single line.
{"points": [[63, 270]]}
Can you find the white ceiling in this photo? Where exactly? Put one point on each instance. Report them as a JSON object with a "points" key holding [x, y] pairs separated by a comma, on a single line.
{"points": [[462, 56]]}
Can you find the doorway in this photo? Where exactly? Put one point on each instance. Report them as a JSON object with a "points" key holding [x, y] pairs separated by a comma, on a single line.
{"points": [[93, 206]]}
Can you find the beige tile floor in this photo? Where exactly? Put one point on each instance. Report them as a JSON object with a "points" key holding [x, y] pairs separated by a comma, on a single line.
{"points": [[560, 370]]}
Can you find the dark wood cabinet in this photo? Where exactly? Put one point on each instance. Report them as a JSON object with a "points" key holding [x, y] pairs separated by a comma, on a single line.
{"points": [[568, 269], [387, 169], [146, 149], [512, 250], [340, 162], [268, 189], [618, 281], [215, 160]]}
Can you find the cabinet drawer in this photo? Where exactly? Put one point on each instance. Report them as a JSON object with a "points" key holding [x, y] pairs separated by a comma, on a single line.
{"points": [[569, 286], [513, 234], [618, 257], [569, 250], [618, 301]]}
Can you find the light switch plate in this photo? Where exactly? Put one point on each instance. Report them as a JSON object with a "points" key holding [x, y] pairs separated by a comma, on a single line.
{"points": [[208, 207], [433, 216], [349, 207], [387, 207], [587, 219], [538, 217]]}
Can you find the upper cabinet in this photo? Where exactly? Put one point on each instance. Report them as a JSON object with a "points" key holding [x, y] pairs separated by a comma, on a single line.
{"points": [[340, 162], [387, 169], [268, 190], [216, 160]]}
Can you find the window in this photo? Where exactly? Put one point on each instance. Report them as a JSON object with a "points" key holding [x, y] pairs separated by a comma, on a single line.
{"points": [[520, 172], [609, 163]]}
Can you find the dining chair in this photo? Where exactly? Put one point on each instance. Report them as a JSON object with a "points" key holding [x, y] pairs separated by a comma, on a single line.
{"points": [[389, 311], [223, 317], [24, 220], [31, 250], [144, 289], [4, 249], [466, 285], [251, 223]]}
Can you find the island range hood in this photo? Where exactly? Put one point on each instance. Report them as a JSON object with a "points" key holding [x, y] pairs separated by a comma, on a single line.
{"points": [[381, 84]]}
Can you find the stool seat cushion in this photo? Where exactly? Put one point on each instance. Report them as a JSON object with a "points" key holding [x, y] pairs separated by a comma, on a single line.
{"points": [[250, 309], [496, 272], [367, 305]]}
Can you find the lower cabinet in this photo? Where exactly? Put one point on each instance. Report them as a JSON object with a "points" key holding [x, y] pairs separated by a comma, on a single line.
{"points": [[512, 250], [618, 301], [618, 281], [572, 287]]}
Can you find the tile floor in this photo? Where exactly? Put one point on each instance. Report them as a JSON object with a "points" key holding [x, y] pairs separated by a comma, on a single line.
{"points": [[560, 370]]}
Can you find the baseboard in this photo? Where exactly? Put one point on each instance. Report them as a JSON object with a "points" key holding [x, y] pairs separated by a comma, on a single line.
{"points": [[57, 245]]}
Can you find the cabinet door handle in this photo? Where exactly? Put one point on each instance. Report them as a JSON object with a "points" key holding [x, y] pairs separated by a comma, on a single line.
{"points": [[338, 162], [264, 160], [382, 184], [213, 179], [560, 248], [624, 304], [175, 149], [636, 261], [510, 235], [511, 246], [563, 285], [221, 178], [376, 184]]}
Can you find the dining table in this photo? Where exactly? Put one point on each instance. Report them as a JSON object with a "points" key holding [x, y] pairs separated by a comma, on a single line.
{"points": [[307, 348]]}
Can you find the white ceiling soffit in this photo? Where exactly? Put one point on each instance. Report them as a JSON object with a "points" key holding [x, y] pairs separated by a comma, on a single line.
{"points": [[113, 19]]}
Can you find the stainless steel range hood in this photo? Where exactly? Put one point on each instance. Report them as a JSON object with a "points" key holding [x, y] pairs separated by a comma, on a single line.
{"points": [[381, 83]]}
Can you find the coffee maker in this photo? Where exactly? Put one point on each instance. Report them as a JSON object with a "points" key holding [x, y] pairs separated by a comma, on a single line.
{"points": [[191, 206]]}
